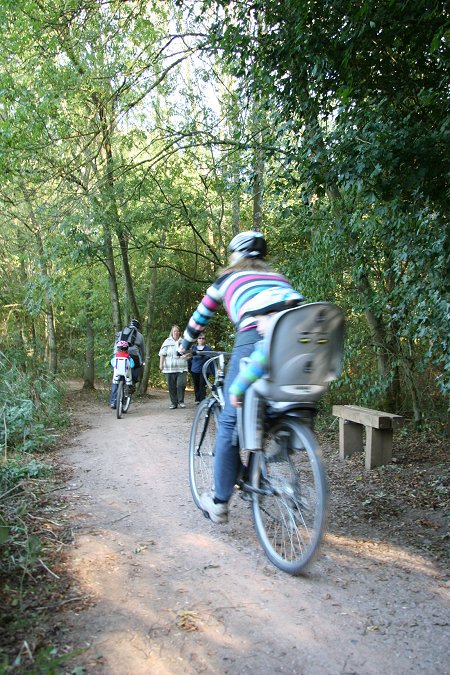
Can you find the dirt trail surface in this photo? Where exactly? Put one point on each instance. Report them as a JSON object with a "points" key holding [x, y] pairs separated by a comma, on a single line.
{"points": [[168, 592]]}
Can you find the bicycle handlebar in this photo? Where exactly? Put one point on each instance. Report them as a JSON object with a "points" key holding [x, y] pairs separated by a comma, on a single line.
{"points": [[211, 354]]}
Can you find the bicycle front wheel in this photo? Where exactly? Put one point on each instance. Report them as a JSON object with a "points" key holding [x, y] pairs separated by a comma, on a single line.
{"points": [[201, 448], [289, 502]]}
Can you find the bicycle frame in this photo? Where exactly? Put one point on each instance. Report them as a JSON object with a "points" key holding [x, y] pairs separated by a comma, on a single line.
{"points": [[207, 418], [255, 407], [250, 416], [216, 388], [285, 480]]}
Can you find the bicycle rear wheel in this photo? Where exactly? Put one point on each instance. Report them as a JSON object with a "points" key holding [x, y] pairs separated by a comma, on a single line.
{"points": [[201, 448], [119, 404], [126, 398], [290, 506]]}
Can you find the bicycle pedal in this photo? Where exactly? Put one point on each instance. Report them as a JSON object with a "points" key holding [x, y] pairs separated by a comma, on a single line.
{"points": [[245, 489], [242, 483]]}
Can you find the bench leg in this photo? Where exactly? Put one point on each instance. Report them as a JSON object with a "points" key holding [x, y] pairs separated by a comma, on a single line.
{"points": [[378, 447], [350, 438]]}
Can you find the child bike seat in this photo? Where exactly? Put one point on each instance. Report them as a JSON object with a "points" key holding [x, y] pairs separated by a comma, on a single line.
{"points": [[305, 348]]}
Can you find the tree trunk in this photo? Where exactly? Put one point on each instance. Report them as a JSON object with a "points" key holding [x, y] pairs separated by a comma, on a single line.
{"points": [[112, 279], [393, 402], [22, 321], [258, 188], [415, 397], [388, 353], [48, 309], [51, 336], [113, 213], [377, 330], [20, 340], [89, 366], [131, 297], [150, 312], [33, 340], [258, 170], [236, 212], [143, 385]]}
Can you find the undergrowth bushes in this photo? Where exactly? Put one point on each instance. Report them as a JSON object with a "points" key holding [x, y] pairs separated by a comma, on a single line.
{"points": [[30, 409], [31, 413]]}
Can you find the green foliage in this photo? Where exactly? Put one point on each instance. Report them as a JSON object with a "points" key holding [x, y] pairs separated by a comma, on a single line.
{"points": [[15, 470], [46, 660], [23, 487], [21, 548], [30, 411], [113, 158], [4, 530], [363, 125]]}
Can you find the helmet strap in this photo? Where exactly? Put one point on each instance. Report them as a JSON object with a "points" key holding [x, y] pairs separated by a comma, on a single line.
{"points": [[235, 257]]}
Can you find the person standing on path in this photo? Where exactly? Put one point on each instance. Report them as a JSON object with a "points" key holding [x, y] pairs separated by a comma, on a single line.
{"points": [[174, 367], [196, 365]]}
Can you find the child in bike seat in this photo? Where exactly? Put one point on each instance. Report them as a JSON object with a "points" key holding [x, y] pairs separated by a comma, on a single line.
{"points": [[267, 304], [122, 351]]}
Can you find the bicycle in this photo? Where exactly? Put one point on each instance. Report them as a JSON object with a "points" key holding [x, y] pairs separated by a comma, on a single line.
{"points": [[122, 377], [286, 480]]}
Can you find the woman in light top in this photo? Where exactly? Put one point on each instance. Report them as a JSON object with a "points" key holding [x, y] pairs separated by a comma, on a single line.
{"points": [[174, 367]]}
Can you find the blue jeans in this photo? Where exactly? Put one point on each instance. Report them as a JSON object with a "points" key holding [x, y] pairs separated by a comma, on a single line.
{"points": [[227, 462]]}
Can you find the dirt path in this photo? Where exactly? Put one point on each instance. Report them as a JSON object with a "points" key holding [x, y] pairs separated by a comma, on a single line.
{"points": [[170, 593]]}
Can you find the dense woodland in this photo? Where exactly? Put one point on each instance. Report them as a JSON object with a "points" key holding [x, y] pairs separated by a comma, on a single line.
{"points": [[138, 137]]}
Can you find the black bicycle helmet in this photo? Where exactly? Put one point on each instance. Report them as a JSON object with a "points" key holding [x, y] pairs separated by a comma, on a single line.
{"points": [[249, 244], [135, 323]]}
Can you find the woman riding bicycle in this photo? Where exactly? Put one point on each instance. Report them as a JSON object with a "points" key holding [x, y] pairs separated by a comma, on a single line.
{"points": [[238, 288]]}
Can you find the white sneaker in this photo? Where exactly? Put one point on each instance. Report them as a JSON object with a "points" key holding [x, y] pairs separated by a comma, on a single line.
{"points": [[218, 513], [181, 405]]}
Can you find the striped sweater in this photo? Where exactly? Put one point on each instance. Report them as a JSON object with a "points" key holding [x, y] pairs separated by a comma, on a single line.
{"points": [[238, 292]]}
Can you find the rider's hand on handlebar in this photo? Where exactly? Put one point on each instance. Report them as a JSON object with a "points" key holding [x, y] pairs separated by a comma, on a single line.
{"points": [[235, 401]]}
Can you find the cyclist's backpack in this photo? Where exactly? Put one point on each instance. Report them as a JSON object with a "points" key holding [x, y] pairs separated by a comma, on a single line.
{"points": [[128, 334], [305, 347]]}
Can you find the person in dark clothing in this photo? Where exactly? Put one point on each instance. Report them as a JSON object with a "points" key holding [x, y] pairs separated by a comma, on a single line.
{"points": [[137, 353], [196, 364]]}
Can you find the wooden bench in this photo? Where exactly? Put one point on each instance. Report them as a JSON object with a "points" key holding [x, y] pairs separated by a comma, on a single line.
{"points": [[379, 433]]}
